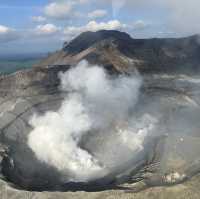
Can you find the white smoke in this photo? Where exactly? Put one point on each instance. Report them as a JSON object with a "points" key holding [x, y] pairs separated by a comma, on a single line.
{"points": [[117, 5], [96, 113]]}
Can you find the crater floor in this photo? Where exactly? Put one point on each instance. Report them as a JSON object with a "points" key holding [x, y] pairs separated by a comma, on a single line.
{"points": [[173, 159]]}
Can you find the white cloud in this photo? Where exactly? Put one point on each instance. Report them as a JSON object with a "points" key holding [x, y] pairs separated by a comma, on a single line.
{"points": [[4, 29], [179, 17], [97, 14], [94, 26], [110, 25], [47, 29], [72, 31], [184, 16], [83, 1], [139, 25], [59, 10], [7, 34], [38, 19]]}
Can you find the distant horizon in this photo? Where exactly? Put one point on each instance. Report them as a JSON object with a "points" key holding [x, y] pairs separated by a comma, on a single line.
{"points": [[36, 26], [41, 54], [20, 56]]}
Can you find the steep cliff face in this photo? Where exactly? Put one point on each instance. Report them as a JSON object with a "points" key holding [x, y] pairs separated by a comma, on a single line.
{"points": [[114, 49]]}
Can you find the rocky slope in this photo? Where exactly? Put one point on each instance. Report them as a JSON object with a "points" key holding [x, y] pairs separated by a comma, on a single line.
{"points": [[118, 51]]}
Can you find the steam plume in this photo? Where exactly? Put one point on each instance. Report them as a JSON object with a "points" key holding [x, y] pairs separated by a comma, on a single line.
{"points": [[93, 131], [116, 6]]}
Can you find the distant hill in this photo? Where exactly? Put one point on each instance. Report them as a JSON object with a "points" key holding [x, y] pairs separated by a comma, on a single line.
{"points": [[116, 50]]}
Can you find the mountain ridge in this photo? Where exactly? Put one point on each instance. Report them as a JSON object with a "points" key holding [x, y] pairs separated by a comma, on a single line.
{"points": [[112, 49]]}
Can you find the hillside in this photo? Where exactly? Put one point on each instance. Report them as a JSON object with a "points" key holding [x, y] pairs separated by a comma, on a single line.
{"points": [[118, 51]]}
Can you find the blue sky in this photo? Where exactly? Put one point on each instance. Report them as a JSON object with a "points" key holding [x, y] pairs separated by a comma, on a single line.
{"points": [[34, 26]]}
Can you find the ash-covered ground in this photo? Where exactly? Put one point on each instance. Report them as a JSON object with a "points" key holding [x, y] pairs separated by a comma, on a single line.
{"points": [[99, 132]]}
